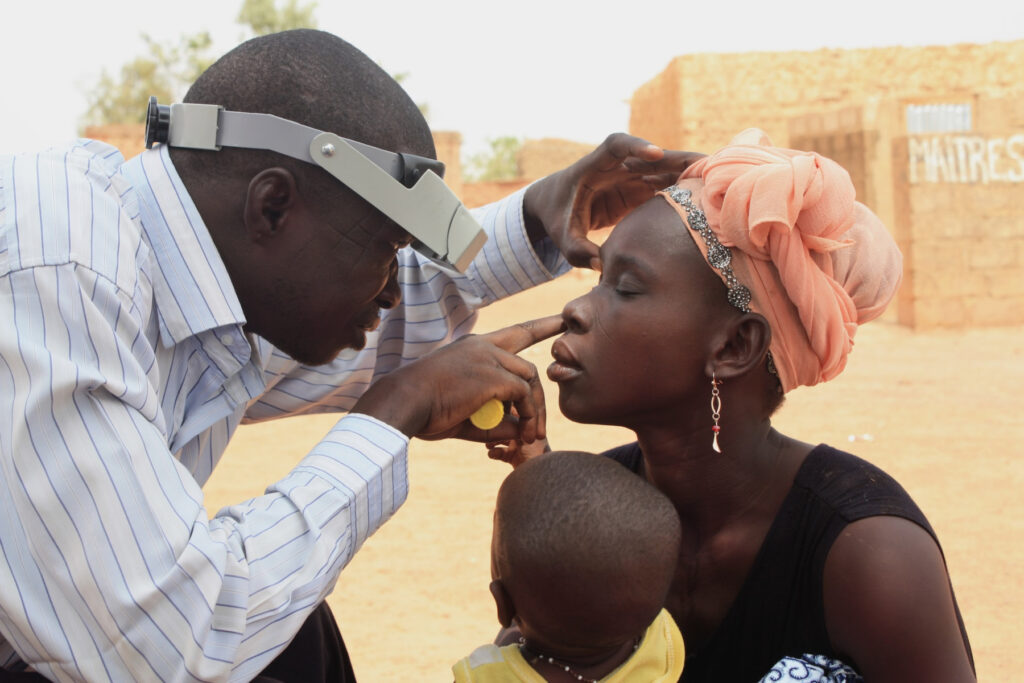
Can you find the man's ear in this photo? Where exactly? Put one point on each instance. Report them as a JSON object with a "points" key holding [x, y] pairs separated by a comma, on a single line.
{"points": [[739, 346], [506, 608], [270, 199]]}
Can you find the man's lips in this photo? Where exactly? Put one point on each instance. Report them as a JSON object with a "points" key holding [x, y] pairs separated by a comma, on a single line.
{"points": [[371, 324], [565, 367]]}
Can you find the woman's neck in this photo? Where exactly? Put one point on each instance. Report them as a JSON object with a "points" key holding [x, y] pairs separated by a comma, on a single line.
{"points": [[710, 489]]}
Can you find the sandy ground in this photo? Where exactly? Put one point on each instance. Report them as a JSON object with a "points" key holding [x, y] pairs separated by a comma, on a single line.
{"points": [[940, 411]]}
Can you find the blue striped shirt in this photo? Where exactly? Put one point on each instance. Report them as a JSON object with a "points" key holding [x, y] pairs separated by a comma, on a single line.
{"points": [[124, 371]]}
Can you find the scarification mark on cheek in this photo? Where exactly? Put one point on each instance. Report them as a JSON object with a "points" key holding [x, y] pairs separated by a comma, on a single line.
{"points": [[599, 327]]}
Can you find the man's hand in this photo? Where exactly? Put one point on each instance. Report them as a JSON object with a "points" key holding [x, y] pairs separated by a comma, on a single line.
{"points": [[597, 191], [434, 396]]}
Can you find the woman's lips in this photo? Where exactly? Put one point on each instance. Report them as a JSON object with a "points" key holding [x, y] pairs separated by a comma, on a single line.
{"points": [[565, 367]]}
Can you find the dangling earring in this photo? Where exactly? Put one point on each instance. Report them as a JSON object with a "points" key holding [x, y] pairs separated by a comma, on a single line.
{"points": [[716, 409]]}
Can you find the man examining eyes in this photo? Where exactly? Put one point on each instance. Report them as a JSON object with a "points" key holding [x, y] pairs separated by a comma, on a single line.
{"points": [[155, 304]]}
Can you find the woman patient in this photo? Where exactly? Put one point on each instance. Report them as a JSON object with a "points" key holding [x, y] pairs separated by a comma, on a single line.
{"points": [[745, 280]]}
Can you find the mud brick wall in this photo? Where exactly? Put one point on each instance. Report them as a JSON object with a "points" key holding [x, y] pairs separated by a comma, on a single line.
{"points": [[700, 101], [959, 202], [954, 201]]}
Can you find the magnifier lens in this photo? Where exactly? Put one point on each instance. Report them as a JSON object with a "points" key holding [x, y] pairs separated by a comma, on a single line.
{"points": [[158, 122]]}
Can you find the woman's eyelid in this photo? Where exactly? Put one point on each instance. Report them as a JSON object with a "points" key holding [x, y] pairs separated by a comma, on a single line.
{"points": [[621, 274], [628, 278]]}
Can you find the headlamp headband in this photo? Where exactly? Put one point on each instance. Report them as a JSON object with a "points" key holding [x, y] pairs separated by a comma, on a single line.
{"points": [[406, 188]]}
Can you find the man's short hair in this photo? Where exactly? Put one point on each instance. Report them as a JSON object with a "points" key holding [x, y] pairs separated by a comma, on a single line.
{"points": [[314, 78]]}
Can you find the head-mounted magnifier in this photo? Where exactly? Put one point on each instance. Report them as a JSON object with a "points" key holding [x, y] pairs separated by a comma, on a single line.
{"points": [[406, 188]]}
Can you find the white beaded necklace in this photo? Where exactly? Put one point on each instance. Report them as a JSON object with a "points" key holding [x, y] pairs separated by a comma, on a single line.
{"points": [[535, 657]]}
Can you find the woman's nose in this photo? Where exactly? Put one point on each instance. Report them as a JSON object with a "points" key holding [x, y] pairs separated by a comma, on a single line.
{"points": [[576, 315]]}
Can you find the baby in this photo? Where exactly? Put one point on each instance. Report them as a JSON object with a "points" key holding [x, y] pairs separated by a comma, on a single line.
{"points": [[582, 556]]}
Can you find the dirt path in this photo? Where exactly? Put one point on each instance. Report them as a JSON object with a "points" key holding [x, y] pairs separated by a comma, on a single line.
{"points": [[942, 412]]}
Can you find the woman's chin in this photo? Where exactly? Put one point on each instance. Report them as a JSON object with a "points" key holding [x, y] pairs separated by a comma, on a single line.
{"points": [[575, 409]]}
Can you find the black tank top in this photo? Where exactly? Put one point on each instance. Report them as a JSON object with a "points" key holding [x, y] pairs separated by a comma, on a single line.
{"points": [[779, 610]]}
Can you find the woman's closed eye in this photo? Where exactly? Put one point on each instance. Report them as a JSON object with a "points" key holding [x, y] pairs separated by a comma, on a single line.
{"points": [[626, 276], [626, 286], [622, 283]]}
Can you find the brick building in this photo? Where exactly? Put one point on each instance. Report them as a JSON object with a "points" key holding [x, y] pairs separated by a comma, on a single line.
{"points": [[933, 138]]}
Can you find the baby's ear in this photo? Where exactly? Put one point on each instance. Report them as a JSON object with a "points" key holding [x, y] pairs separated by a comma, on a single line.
{"points": [[506, 608]]}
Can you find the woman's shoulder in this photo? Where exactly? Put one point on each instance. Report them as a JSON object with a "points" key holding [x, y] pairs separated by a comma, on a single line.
{"points": [[855, 488]]}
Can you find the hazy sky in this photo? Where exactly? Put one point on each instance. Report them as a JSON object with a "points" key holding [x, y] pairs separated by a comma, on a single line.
{"points": [[527, 68]]}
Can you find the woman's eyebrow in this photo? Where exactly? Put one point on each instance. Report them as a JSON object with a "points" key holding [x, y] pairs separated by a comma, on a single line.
{"points": [[629, 262]]}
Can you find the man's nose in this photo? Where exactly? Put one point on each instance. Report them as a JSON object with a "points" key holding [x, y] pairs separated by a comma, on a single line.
{"points": [[391, 295]]}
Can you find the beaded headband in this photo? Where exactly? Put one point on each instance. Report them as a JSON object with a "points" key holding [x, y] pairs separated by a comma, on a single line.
{"points": [[719, 256]]}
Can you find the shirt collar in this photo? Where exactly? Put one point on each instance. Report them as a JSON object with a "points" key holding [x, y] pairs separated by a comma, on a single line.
{"points": [[190, 283]]}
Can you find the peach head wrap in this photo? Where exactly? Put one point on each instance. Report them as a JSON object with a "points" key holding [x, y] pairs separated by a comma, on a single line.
{"points": [[816, 262]]}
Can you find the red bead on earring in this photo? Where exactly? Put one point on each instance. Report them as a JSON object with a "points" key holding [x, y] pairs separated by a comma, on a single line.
{"points": [[716, 409]]}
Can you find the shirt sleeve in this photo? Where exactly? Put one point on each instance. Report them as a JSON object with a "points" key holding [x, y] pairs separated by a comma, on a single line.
{"points": [[110, 567], [438, 305]]}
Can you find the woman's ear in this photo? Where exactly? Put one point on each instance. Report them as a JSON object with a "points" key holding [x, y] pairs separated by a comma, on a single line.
{"points": [[740, 346], [271, 195], [506, 608]]}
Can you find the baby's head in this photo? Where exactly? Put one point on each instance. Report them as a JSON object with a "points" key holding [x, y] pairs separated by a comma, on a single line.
{"points": [[583, 552]]}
